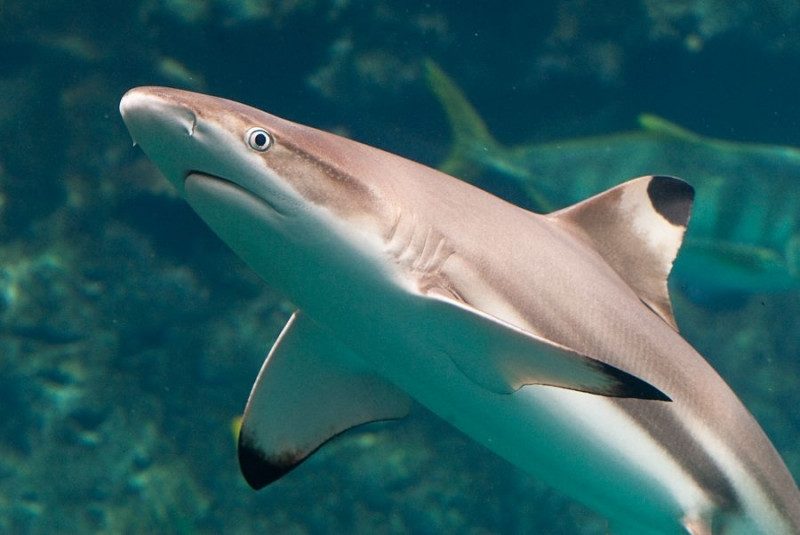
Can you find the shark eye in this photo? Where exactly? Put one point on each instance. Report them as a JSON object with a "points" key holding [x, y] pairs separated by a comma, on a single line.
{"points": [[259, 139]]}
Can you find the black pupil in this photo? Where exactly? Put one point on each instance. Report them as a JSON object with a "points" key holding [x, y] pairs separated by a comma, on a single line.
{"points": [[260, 139]]}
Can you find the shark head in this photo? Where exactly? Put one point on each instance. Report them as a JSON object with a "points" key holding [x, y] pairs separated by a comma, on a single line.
{"points": [[280, 194], [195, 139]]}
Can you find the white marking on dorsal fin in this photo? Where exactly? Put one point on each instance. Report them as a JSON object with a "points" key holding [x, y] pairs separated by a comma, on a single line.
{"points": [[310, 389], [638, 228]]}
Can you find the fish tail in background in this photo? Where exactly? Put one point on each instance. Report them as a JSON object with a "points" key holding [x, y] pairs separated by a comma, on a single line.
{"points": [[474, 150], [469, 131]]}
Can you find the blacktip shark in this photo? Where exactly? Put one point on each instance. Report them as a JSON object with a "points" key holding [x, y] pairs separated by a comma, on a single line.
{"points": [[745, 232], [549, 339]]}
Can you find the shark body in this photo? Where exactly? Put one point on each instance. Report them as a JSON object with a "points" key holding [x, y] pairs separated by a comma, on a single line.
{"points": [[549, 339], [733, 248]]}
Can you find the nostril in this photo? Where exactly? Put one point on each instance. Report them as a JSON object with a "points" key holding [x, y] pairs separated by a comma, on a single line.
{"points": [[188, 118]]}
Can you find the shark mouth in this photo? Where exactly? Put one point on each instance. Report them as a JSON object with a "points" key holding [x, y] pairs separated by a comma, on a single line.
{"points": [[206, 180]]}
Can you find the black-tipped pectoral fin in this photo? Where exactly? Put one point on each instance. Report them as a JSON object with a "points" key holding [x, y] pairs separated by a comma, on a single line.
{"points": [[503, 358], [310, 389]]}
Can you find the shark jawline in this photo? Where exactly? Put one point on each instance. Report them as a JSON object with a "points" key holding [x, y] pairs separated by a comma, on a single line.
{"points": [[199, 176]]}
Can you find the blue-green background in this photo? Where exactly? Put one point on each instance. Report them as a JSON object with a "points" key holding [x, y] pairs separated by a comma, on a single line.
{"points": [[130, 335]]}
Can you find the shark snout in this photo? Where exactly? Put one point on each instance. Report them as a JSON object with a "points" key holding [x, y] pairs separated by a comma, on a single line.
{"points": [[163, 123], [148, 110]]}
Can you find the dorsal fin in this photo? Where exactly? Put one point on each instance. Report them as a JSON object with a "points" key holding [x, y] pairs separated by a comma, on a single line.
{"points": [[659, 125], [638, 228]]}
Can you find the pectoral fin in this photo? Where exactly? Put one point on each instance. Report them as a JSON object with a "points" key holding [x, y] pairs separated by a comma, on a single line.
{"points": [[503, 358], [310, 389]]}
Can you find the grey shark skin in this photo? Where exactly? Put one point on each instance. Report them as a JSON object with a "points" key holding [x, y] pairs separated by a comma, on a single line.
{"points": [[734, 248], [547, 338]]}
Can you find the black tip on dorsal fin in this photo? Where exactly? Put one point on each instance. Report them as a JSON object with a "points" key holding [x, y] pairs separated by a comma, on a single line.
{"points": [[672, 198]]}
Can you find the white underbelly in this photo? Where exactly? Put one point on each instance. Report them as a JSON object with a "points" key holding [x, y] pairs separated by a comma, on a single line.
{"points": [[583, 444]]}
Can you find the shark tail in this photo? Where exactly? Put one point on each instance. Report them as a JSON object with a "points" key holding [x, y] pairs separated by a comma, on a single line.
{"points": [[475, 154]]}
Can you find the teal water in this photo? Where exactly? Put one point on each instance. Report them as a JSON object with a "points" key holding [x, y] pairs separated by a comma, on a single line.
{"points": [[130, 336]]}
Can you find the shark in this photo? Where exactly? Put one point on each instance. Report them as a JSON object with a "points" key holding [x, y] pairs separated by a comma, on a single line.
{"points": [[548, 338], [745, 232]]}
